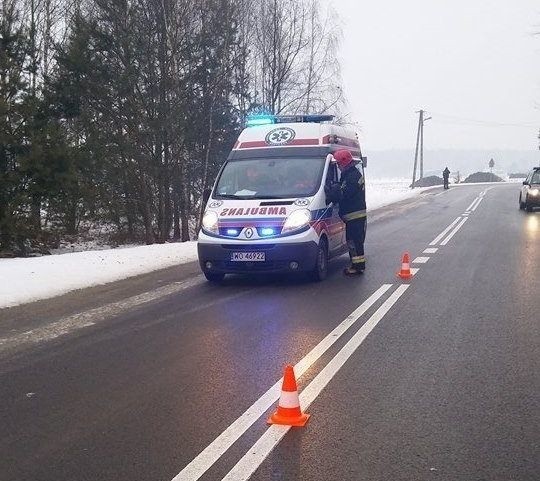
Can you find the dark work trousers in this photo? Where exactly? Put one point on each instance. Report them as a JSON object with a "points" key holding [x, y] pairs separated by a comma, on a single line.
{"points": [[355, 231]]}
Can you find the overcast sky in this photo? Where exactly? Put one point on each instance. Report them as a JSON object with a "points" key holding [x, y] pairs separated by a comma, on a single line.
{"points": [[457, 59]]}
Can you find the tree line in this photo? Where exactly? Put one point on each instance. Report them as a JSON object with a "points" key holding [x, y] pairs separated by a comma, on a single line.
{"points": [[120, 112]]}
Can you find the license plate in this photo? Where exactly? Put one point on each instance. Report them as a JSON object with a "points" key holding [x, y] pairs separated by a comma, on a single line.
{"points": [[248, 257]]}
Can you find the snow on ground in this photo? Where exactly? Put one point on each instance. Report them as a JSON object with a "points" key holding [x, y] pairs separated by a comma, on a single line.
{"points": [[381, 192], [30, 279]]}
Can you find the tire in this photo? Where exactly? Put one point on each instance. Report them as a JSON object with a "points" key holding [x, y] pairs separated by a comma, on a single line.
{"points": [[320, 271], [216, 277], [521, 204]]}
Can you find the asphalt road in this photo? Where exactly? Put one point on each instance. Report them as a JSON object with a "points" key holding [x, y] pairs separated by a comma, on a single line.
{"points": [[165, 376]]}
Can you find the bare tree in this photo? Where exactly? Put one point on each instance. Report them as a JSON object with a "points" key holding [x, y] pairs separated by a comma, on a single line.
{"points": [[321, 85], [295, 67]]}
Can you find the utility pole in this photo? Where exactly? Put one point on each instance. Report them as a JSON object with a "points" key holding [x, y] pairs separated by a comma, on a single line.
{"points": [[419, 143], [422, 145], [420, 122]]}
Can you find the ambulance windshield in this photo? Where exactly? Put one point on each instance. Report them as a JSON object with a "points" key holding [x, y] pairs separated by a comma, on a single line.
{"points": [[276, 178]]}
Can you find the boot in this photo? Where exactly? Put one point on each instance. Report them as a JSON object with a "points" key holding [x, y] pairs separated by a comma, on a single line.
{"points": [[353, 271]]}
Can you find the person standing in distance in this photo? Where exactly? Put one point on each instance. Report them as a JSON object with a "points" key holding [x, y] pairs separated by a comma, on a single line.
{"points": [[446, 175], [350, 194]]}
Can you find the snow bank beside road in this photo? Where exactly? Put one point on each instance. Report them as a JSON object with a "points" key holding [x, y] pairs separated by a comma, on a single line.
{"points": [[381, 192], [30, 279]]}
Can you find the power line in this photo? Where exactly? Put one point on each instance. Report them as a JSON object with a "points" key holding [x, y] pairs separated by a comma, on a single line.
{"points": [[452, 119]]}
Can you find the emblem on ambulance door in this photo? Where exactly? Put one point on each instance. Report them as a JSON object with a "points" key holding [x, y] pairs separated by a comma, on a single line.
{"points": [[280, 136]]}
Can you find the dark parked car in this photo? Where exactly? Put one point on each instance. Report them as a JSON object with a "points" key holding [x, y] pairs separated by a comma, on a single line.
{"points": [[529, 197]]}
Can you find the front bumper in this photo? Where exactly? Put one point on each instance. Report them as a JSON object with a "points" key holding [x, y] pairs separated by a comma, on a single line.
{"points": [[216, 258]]}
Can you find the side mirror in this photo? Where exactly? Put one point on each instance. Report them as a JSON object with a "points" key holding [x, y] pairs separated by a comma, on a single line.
{"points": [[206, 194], [525, 182], [364, 162]]}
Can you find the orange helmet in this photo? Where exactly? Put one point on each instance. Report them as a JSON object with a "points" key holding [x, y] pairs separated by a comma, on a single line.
{"points": [[343, 158]]}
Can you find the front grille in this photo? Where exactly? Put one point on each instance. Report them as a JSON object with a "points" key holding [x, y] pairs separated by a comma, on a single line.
{"points": [[248, 247], [270, 203], [252, 266]]}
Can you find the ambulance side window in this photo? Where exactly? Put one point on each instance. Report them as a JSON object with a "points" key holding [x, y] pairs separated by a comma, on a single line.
{"points": [[331, 178], [331, 175]]}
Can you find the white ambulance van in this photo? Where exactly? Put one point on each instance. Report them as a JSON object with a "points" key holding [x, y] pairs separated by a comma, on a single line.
{"points": [[268, 211]]}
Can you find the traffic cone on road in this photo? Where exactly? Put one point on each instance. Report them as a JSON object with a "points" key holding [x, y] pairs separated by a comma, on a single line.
{"points": [[405, 272], [288, 410]]}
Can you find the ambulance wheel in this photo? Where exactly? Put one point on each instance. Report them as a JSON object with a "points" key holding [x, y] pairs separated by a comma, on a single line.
{"points": [[521, 204], [320, 271], [214, 276]]}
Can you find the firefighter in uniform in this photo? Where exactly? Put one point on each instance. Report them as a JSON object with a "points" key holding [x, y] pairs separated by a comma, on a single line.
{"points": [[351, 195]]}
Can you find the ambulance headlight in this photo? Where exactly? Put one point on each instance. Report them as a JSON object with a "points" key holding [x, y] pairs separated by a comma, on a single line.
{"points": [[297, 220], [534, 192], [210, 222]]}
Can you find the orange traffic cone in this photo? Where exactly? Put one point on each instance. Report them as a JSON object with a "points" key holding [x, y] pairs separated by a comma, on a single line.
{"points": [[405, 272], [288, 410]]}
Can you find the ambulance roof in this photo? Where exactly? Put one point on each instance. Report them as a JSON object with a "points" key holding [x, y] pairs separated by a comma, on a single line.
{"points": [[295, 138]]}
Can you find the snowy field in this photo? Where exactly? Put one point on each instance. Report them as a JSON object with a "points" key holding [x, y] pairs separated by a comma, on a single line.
{"points": [[381, 192], [31, 279]]}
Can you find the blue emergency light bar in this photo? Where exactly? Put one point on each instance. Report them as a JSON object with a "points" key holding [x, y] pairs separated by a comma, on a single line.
{"points": [[256, 120]]}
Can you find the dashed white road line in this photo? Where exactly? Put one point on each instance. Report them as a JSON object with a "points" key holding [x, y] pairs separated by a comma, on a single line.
{"points": [[444, 232], [414, 270], [420, 260], [453, 233], [199, 465], [247, 465], [430, 250], [91, 317]]}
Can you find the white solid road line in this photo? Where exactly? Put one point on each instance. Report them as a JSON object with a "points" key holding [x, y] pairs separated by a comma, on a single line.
{"points": [[453, 233], [199, 465], [430, 250], [420, 260], [247, 465], [93, 316], [444, 232], [477, 204], [472, 203]]}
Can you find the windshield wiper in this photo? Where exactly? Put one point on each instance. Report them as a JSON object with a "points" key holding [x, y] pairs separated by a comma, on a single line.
{"points": [[231, 196], [247, 197]]}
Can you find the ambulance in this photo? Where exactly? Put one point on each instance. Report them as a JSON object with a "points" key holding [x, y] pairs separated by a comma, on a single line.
{"points": [[267, 211]]}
